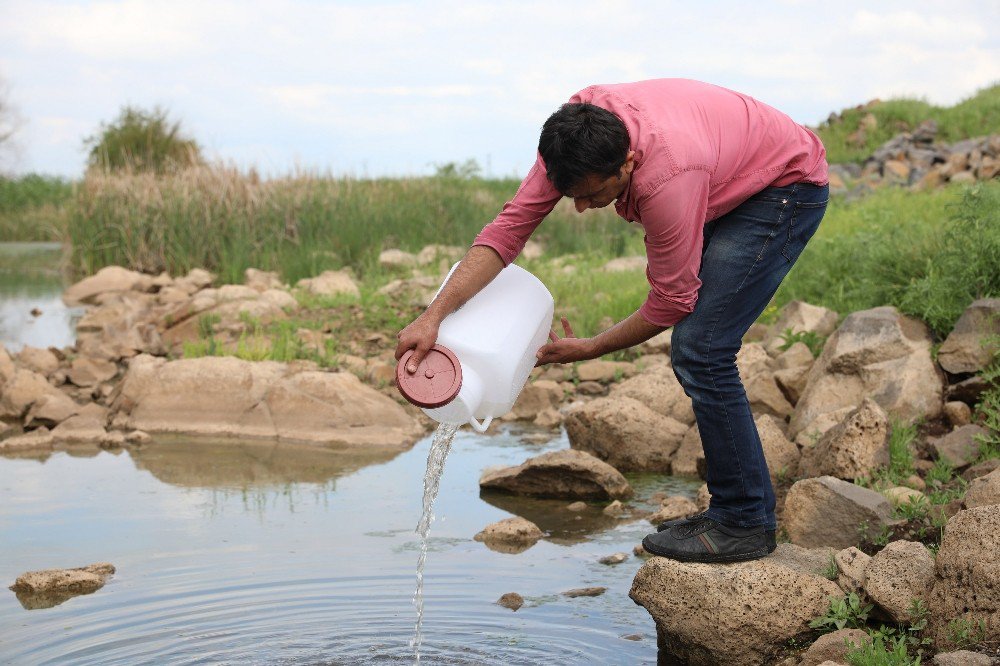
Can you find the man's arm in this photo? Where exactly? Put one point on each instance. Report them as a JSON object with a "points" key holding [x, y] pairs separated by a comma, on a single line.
{"points": [[476, 270]]}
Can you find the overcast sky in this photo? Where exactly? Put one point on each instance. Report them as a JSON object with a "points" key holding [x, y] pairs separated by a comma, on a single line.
{"points": [[376, 88]]}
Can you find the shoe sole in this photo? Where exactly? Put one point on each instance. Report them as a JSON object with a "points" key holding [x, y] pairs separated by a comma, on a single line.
{"points": [[708, 558]]}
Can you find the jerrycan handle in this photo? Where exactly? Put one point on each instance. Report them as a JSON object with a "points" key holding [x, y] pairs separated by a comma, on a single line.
{"points": [[480, 427]]}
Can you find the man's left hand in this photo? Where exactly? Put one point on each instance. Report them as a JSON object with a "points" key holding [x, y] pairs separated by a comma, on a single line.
{"points": [[565, 350]]}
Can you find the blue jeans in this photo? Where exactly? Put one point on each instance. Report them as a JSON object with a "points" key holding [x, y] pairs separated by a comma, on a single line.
{"points": [[746, 255]]}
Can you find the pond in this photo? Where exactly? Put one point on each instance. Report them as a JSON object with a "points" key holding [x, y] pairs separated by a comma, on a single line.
{"points": [[31, 309], [258, 553]]}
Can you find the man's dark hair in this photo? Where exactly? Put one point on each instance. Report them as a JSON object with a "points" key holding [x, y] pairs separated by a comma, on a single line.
{"points": [[579, 140]]}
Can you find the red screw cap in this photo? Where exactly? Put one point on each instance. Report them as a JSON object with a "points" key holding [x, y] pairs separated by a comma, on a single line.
{"points": [[435, 383]]}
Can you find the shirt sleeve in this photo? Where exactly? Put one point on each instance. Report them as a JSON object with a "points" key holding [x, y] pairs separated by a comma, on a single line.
{"points": [[535, 198], [674, 219]]}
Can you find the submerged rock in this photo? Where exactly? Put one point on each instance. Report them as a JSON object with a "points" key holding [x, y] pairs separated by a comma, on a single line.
{"points": [[510, 535], [739, 614], [585, 592], [511, 600], [51, 587]]}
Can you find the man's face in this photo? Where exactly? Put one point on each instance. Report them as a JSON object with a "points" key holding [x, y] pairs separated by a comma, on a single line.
{"points": [[597, 192]]}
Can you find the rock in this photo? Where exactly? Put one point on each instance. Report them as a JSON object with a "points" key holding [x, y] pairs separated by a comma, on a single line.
{"points": [[900, 495], [228, 397], [853, 449], [81, 428], [752, 360], [261, 280], [511, 600], [7, 366], [615, 508], [431, 253], [820, 426], [603, 371], [915, 482], [960, 447], [195, 280], [981, 469], [968, 583], [591, 388], [280, 299], [536, 398], [560, 474], [658, 389], [90, 371], [22, 390], [875, 353], [796, 356], [958, 413], [330, 283], [676, 506], [51, 587], [968, 390], [50, 410], [585, 592], [396, 259], [896, 172], [792, 382], [966, 348], [577, 506], [39, 439], [689, 459], [623, 264], [827, 511], [532, 250], [782, 455], [833, 647], [625, 433], [42, 361], [898, 574], [658, 344], [851, 565], [739, 614], [138, 437], [766, 397], [516, 531], [616, 558], [108, 279], [639, 551], [704, 497], [800, 317], [548, 418], [961, 658], [984, 490]]}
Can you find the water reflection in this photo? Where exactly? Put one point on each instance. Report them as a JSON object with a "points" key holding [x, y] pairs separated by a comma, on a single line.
{"points": [[31, 307]]}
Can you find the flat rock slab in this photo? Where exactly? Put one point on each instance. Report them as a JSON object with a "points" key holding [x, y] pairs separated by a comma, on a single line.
{"points": [[565, 474]]}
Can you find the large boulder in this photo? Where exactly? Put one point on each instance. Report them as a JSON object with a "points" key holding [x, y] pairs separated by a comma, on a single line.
{"points": [[108, 279], [625, 433], [229, 397], [50, 410], [984, 490], [898, 574], [658, 389], [739, 614], [560, 474], [853, 449], [800, 317], [122, 326], [22, 390], [827, 511], [968, 347], [968, 567], [875, 353]]}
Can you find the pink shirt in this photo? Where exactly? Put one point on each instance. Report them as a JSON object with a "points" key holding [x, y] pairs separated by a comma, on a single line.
{"points": [[700, 151]]}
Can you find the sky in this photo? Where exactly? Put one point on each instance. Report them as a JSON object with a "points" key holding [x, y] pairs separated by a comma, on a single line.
{"points": [[373, 88]]}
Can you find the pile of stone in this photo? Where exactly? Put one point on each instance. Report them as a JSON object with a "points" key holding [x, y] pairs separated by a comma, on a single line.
{"points": [[918, 160]]}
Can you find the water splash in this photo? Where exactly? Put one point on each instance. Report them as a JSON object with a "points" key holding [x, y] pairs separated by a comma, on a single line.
{"points": [[440, 446]]}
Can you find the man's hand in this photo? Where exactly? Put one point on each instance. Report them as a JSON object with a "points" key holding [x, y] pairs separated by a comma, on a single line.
{"points": [[567, 349], [419, 336]]}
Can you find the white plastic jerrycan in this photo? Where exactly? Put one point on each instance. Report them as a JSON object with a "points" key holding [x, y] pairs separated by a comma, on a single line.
{"points": [[484, 353]]}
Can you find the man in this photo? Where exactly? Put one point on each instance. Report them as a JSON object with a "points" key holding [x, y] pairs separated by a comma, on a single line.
{"points": [[728, 191]]}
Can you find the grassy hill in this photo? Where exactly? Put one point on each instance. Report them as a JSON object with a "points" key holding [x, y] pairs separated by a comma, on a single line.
{"points": [[854, 134]]}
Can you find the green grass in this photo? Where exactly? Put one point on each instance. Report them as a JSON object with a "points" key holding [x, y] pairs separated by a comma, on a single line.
{"points": [[976, 116], [928, 254]]}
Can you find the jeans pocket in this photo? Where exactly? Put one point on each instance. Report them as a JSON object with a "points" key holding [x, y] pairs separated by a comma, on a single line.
{"points": [[805, 218]]}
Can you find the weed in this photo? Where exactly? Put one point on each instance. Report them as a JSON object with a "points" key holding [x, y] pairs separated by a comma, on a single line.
{"points": [[914, 508], [882, 651], [811, 339], [830, 571], [206, 325], [964, 633], [844, 612]]}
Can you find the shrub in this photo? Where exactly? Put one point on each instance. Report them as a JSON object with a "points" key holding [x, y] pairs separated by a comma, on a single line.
{"points": [[141, 140]]}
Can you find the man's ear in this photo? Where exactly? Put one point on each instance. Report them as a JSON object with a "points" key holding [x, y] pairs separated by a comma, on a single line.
{"points": [[629, 163]]}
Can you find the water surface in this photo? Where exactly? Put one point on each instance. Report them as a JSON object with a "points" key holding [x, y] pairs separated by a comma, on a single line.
{"points": [[257, 553], [31, 280]]}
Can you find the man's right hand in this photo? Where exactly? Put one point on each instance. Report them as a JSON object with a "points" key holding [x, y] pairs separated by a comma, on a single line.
{"points": [[419, 336]]}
